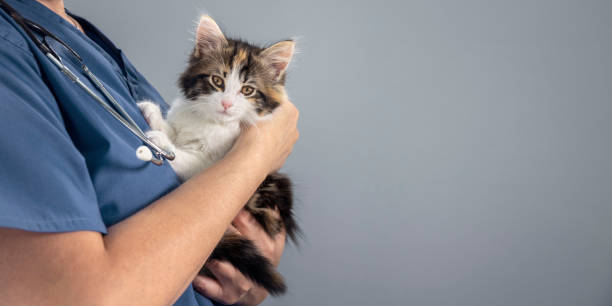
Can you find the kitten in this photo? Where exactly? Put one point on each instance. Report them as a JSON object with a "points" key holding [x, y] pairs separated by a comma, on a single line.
{"points": [[229, 82]]}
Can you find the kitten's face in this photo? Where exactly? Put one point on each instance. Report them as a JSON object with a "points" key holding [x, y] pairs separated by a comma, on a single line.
{"points": [[230, 80]]}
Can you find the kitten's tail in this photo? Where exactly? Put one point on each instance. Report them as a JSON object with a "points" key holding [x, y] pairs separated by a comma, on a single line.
{"points": [[245, 256]]}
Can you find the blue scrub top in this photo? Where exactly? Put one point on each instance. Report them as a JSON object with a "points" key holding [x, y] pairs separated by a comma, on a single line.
{"points": [[66, 164]]}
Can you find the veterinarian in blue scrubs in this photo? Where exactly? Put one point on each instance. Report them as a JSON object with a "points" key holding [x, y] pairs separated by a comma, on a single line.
{"points": [[66, 164]]}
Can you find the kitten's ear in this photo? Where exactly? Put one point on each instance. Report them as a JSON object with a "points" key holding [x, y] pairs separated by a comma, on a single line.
{"points": [[278, 56], [208, 36]]}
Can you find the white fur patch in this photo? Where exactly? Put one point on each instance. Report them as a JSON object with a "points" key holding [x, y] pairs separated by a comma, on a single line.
{"points": [[202, 131]]}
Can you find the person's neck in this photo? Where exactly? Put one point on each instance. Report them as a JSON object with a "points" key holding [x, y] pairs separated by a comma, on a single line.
{"points": [[57, 6]]}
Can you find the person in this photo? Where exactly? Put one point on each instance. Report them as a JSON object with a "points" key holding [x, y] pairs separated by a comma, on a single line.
{"points": [[83, 221]]}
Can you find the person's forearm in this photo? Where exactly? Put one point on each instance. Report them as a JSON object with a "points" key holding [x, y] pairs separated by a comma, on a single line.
{"points": [[159, 250], [150, 257]]}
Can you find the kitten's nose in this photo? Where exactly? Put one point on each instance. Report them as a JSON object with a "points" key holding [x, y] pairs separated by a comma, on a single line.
{"points": [[226, 104]]}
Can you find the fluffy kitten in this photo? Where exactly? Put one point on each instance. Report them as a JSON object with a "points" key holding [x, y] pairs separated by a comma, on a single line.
{"points": [[229, 82]]}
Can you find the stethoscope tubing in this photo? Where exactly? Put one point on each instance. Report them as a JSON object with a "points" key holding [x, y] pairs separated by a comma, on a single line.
{"points": [[124, 118], [131, 125]]}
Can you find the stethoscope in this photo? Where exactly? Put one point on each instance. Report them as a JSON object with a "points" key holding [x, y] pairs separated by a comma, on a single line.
{"points": [[143, 152]]}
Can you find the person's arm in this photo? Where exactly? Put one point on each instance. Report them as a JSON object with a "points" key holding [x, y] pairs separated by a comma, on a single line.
{"points": [[152, 256]]}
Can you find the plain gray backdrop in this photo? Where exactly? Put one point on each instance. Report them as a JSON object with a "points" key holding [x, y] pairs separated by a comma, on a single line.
{"points": [[451, 152]]}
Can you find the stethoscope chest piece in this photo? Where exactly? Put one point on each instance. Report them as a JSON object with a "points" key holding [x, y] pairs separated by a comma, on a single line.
{"points": [[144, 153]]}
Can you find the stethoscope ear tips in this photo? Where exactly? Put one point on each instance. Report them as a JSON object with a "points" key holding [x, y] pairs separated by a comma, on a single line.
{"points": [[144, 153]]}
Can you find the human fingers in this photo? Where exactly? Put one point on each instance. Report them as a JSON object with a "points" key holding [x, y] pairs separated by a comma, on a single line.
{"points": [[245, 223], [228, 287], [271, 247], [234, 285], [208, 287], [272, 139]]}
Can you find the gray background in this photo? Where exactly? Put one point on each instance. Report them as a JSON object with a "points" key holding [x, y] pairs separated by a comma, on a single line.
{"points": [[452, 152]]}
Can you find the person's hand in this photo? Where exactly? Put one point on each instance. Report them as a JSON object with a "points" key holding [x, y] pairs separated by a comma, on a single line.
{"points": [[231, 286], [272, 140]]}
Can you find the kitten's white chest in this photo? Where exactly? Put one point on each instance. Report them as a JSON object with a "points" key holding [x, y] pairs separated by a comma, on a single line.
{"points": [[198, 143], [211, 140]]}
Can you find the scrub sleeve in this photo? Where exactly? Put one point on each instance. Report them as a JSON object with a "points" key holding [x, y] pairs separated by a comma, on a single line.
{"points": [[65, 163], [44, 182]]}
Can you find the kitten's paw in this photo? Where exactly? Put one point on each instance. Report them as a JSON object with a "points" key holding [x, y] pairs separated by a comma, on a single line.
{"points": [[152, 114], [161, 139]]}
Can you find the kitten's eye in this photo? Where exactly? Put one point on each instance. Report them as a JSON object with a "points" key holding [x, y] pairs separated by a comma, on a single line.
{"points": [[217, 81], [247, 90]]}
